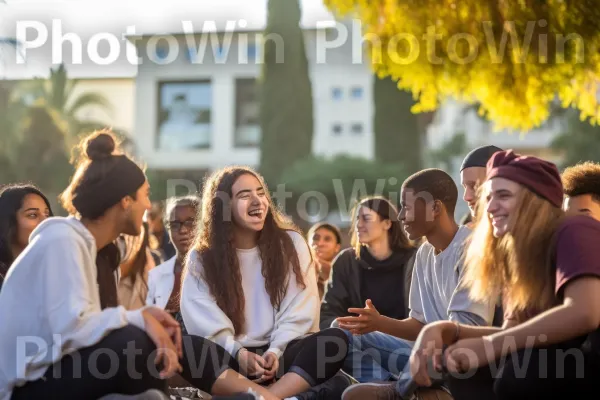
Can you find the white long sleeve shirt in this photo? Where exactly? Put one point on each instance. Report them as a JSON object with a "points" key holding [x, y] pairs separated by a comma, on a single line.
{"points": [[50, 304], [265, 325]]}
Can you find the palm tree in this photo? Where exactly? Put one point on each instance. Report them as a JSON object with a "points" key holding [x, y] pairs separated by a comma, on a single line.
{"points": [[57, 94], [39, 124]]}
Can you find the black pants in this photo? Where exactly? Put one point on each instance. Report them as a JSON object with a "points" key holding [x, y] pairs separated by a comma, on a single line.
{"points": [[556, 372], [316, 357], [123, 362]]}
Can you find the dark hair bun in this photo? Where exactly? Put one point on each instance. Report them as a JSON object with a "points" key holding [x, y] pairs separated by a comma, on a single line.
{"points": [[100, 146]]}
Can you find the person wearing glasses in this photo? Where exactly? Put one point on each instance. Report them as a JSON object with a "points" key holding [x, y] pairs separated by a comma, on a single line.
{"points": [[164, 281]]}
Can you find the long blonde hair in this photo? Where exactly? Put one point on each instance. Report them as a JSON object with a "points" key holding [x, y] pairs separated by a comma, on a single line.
{"points": [[517, 265]]}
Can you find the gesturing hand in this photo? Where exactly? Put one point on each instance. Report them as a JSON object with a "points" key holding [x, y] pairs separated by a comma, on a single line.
{"points": [[251, 364], [368, 320]]}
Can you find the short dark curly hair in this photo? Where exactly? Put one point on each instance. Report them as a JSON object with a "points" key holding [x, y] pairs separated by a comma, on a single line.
{"points": [[436, 182], [583, 178]]}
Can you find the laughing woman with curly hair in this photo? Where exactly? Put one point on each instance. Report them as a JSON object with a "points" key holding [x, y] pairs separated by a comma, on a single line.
{"points": [[250, 286]]}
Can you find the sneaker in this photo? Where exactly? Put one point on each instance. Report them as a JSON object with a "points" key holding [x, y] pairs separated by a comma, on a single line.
{"points": [[331, 389], [372, 391], [188, 393]]}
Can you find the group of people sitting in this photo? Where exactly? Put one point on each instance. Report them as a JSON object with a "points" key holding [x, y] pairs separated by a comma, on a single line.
{"points": [[503, 306]]}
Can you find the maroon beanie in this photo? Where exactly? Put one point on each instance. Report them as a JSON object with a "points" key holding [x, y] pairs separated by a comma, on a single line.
{"points": [[539, 176]]}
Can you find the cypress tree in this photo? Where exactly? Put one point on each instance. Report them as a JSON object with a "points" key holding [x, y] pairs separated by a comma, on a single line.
{"points": [[397, 133], [286, 94]]}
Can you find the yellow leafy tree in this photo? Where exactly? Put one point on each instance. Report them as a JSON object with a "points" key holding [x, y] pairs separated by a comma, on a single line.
{"points": [[511, 57]]}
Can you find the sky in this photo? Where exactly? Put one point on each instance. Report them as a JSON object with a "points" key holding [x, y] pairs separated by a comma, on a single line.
{"points": [[86, 18]]}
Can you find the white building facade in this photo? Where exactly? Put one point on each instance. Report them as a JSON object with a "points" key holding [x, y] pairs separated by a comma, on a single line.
{"points": [[204, 115]]}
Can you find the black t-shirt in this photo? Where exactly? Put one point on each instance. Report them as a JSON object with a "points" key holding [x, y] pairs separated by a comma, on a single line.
{"points": [[383, 283]]}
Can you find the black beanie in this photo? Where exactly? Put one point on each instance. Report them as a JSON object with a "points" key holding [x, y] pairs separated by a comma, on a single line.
{"points": [[124, 177], [479, 157]]}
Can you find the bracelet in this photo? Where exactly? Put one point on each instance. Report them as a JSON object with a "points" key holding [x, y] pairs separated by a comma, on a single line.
{"points": [[457, 331]]}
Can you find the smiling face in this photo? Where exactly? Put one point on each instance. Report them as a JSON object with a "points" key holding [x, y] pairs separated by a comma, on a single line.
{"points": [[135, 210], [584, 204], [470, 179], [502, 201], [32, 212], [324, 243], [370, 228], [249, 203], [416, 215]]}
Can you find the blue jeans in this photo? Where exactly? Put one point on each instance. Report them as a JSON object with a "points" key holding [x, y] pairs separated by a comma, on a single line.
{"points": [[376, 356]]}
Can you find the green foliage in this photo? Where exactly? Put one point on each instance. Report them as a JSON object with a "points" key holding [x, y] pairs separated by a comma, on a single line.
{"points": [[286, 114], [397, 133], [39, 126], [579, 142], [57, 93], [45, 160], [512, 57], [343, 179]]}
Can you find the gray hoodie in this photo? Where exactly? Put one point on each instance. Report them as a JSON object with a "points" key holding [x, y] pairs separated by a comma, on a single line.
{"points": [[50, 304]]}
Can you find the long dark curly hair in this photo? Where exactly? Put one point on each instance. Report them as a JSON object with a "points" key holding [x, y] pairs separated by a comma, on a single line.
{"points": [[216, 249]]}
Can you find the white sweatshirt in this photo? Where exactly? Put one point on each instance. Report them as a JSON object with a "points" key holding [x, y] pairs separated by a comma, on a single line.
{"points": [[50, 304], [264, 325]]}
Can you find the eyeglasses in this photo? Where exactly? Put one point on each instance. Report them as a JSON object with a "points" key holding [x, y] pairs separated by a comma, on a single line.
{"points": [[177, 225]]}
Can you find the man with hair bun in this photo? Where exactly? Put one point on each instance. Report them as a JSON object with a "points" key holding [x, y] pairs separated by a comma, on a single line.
{"points": [[56, 295], [109, 195]]}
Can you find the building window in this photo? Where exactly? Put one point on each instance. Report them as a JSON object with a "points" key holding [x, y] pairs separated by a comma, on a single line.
{"points": [[195, 57], [247, 113], [336, 93], [251, 53], [357, 92], [336, 129], [162, 52], [356, 128], [184, 117], [191, 54]]}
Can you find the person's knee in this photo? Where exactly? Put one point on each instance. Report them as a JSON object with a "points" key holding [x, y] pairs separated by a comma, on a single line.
{"points": [[196, 347], [130, 335], [338, 333], [205, 360], [335, 338], [346, 333]]}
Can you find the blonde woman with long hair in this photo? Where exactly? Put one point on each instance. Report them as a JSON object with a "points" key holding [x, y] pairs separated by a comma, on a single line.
{"points": [[547, 270]]}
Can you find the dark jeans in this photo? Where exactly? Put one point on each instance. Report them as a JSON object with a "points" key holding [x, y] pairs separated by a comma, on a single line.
{"points": [[123, 362], [556, 372], [316, 357]]}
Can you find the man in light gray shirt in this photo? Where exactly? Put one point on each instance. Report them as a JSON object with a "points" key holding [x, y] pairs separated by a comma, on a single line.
{"points": [[434, 292], [381, 346]]}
